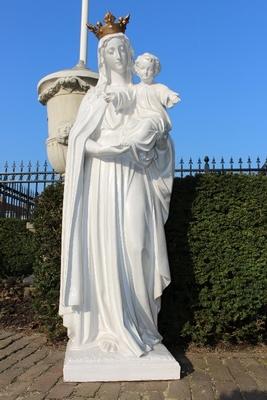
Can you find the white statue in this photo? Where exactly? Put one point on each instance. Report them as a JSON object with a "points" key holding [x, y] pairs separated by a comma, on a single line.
{"points": [[152, 99], [118, 182]]}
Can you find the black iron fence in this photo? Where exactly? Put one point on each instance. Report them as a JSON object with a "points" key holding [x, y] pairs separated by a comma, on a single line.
{"points": [[21, 184], [220, 167]]}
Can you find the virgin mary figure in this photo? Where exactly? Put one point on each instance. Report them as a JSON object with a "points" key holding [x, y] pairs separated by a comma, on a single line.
{"points": [[114, 258]]}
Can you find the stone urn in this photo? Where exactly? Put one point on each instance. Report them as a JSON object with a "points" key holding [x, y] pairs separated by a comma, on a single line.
{"points": [[62, 93]]}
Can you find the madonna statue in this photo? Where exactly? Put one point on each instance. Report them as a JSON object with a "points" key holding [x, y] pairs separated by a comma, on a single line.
{"points": [[118, 183]]}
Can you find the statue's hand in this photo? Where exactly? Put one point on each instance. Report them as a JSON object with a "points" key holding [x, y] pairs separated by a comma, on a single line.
{"points": [[109, 97], [161, 144]]}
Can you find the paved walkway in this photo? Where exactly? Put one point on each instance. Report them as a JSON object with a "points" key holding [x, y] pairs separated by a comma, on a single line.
{"points": [[29, 369]]}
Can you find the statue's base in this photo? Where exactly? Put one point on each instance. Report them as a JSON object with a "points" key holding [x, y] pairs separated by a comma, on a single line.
{"points": [[93, 365]]}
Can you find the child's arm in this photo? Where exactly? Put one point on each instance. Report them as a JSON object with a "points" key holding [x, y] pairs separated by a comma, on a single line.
{"points": [[172, 99], [95, 149], [167, 96]]}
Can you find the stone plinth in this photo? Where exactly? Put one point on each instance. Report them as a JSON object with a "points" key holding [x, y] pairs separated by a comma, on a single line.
{"points": [[94, 365]]}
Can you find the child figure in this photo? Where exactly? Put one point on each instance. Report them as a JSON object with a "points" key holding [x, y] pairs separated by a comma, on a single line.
{"points": [[148, 123], [150, 95], [152, 123]]}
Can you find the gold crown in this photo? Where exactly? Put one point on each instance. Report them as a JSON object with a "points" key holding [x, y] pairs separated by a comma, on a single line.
{"points": [[111, 26]]}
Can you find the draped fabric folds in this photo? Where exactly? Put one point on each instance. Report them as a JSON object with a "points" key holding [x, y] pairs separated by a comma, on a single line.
{"points": [[114, 259]]}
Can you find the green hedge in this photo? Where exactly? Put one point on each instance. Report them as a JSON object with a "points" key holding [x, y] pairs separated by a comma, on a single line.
{"points": [[47, 224], [217, 241], [16, 248], [216, 236]]}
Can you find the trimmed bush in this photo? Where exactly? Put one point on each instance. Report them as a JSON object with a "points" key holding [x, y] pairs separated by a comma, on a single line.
{"points": [[217, 239], [16, 248], [217, 245], [47, 223]]}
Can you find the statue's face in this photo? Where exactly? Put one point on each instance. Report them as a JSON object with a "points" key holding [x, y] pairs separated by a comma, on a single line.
{"points": [[146, 70], [116, 55]]}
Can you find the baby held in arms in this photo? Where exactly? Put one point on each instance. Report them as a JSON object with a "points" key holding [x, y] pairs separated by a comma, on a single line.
{"points": [[142, 114], [152, 123]]}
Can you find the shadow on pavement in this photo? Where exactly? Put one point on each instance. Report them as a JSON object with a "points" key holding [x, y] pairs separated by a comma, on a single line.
{"points": [[248, 395], [185, 364]]}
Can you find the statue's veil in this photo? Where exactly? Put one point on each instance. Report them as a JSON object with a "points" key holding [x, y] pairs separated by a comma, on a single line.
{"points": [[89, 116], [104, 72]]}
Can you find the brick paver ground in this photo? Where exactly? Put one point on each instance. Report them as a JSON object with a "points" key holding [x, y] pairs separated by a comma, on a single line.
{"points": [[32, 370]]}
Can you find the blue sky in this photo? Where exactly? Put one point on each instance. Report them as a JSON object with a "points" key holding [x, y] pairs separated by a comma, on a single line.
{"points": [[212, 52]]}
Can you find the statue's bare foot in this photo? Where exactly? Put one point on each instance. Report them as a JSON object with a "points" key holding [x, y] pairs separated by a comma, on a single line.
{"points": [[109, 346]]}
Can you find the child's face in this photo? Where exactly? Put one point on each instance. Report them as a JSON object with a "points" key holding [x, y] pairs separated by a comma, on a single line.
{"points": [[145, 70]]}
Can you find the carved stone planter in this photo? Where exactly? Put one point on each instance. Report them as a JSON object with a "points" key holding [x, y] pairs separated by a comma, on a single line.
{"points": [[62, 92]]}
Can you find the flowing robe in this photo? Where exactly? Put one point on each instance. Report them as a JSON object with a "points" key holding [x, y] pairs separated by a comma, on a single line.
{"points": [[114, 258]]}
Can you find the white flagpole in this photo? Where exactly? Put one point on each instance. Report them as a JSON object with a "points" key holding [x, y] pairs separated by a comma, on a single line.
{"points": [[83, 41]]}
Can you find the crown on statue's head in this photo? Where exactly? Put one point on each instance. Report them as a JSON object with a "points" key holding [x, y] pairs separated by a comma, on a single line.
{"points": [[110, 27]]}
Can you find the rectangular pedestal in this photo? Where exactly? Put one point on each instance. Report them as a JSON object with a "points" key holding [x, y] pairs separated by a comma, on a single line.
{"points": [[93, 365]]}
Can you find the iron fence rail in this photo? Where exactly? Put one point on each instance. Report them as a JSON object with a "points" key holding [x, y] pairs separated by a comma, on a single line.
{"points": [[207, 166], [20, 184]]}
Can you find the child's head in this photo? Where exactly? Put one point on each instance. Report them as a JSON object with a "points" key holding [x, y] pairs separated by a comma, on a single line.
{"points": [[147, 66]]}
